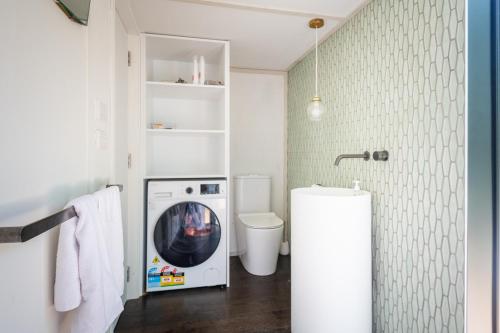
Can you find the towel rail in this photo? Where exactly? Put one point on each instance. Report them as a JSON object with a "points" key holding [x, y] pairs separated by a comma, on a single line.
{"points": [[26, 232]]}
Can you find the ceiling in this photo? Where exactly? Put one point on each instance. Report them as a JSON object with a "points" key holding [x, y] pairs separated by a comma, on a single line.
{"points": [[264, 34], [332, 8]]}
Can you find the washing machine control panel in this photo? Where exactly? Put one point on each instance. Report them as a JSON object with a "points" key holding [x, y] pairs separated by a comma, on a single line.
{"points": [[165, 190], [209, 189]]}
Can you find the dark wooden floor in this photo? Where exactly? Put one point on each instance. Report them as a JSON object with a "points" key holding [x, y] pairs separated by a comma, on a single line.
{"points": [[252, 304]]}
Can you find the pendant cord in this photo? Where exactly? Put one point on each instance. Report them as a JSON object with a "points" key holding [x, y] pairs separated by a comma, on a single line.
{"points": [[316, 86]]}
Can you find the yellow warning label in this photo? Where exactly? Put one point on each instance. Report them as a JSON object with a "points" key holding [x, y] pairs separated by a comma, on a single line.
{"points": [[166, 280], [169, 279], [156, 261], [178, 280]]}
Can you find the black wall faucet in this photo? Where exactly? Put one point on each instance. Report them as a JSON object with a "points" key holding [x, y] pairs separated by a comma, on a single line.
{"points": [[365, 156]]}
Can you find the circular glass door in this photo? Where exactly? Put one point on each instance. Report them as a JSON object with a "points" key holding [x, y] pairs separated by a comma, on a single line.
{"points": [[187, 234]]}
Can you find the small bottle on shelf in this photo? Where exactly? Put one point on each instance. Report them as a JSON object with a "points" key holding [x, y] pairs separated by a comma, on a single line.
{"points": [[196, 72], [202, 70]]}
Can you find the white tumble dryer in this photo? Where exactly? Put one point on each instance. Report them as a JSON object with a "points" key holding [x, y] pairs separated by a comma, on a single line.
{"points": [[186, 234]]}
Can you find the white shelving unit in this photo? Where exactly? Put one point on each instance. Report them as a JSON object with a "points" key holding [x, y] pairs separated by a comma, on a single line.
{"points": [[196, 141]]}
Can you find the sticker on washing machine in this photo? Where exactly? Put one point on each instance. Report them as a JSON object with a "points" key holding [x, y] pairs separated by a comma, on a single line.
{"points": [[156, 261], [154, 278], [178, 279], [170, 279], [164, 278]]}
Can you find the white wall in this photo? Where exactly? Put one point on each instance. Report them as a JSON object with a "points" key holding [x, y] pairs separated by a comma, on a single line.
{"points": [[258, 132], [51, 69], [100, 67]]}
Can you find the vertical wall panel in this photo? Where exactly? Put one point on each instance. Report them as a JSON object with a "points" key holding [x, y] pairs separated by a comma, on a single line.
{"points": [[480, 182]]}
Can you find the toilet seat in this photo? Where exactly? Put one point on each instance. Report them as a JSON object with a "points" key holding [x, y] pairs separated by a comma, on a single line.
{"points": [[261, 220]]}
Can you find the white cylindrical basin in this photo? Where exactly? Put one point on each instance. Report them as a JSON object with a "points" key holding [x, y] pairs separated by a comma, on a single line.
{"points": [[331, 260]]}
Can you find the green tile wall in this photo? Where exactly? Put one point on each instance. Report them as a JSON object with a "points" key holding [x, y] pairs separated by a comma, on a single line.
{"points": [[393, 78]]}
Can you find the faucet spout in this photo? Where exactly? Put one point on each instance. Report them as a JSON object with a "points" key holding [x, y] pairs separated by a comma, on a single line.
{"points": [[365, 156]]}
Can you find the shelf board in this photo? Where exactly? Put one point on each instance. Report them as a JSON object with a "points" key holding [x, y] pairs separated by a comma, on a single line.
{"points": [[184, 85], [182, 176], [182, 131], [185, 90]]}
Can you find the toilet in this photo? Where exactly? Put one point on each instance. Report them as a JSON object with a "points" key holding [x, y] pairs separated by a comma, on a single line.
{"points": [[259, 231]]}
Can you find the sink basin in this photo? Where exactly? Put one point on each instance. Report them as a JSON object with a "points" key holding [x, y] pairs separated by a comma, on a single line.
{"points": [[331, 260], [321, 191]]}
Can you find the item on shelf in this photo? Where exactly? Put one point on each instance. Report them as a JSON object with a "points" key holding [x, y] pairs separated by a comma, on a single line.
{"points": [[169, 126], [180, 80], [157, 125], [196, 71], [214, 83], [202, 70]]}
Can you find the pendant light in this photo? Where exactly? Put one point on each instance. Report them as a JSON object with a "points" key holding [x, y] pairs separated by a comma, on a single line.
{"points": [[315, 109]]}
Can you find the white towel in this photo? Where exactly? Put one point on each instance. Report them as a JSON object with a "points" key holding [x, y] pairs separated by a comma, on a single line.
{"points": [[109, 208], [84, 275]]}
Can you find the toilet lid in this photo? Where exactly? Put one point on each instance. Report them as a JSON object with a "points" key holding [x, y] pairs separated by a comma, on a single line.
{"points": [[261, 220]]}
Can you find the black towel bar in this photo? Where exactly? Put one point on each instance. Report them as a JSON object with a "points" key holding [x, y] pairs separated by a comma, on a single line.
{"points": [[27, 232]]}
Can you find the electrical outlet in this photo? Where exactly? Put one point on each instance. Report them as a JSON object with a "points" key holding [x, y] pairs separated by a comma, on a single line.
{"points": [[100, 111]]}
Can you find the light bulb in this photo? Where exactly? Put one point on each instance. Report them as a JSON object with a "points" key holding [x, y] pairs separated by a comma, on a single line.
{"points": [[315, 109]]}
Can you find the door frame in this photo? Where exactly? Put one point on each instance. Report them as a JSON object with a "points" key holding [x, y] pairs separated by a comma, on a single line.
{"points": [[496, 101], [481, 190]]}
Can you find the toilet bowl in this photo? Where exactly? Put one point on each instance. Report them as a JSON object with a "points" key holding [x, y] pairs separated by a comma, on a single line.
{"points": [[258, 229], [259, 240]]}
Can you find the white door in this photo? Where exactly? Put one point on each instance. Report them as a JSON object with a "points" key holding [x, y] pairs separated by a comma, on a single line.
{"points": [[120, 121]]}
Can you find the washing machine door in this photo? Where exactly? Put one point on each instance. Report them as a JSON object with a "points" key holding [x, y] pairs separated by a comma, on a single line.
{"points": [[187, 234]]}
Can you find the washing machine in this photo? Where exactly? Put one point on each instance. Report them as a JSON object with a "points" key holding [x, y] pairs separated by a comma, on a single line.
{"points": [[186, 234]]}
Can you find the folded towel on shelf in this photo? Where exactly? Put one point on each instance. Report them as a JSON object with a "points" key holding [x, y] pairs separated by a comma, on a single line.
{"points": [[89, 265]]}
